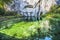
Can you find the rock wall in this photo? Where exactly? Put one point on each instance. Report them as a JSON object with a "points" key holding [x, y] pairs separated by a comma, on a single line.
{"points": [[31, 7]]}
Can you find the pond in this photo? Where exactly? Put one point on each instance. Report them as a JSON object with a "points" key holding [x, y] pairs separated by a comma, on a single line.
{"points": [[19, 28]]}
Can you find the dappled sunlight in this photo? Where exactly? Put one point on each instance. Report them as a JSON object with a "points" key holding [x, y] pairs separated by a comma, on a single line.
{"points": [[45, 26]]}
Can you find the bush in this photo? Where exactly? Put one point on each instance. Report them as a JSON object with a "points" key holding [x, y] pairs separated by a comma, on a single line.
{"points": [[2, 11]]}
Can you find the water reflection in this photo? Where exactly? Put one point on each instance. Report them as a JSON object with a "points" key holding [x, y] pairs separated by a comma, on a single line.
{"points": [[48, 38], [8, 23]]}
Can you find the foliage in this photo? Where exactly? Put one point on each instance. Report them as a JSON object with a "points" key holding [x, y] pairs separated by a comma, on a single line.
{"points": [[2, 3], [55, 9], [5, 1], [2, 11], [54, 18]]}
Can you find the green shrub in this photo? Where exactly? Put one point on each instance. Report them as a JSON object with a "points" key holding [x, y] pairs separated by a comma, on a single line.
{"points": [[2, 11]]}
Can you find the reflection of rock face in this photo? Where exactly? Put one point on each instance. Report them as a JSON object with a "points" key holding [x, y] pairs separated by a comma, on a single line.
{"points": [[29, 7]]}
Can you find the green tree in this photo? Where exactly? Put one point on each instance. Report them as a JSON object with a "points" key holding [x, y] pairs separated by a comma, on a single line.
{"points": [[2, 4]]}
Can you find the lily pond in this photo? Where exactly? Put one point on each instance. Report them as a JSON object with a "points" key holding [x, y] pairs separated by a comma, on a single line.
{"points": [[19, 29]]}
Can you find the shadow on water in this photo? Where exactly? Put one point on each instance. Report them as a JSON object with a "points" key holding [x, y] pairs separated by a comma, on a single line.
{"points": [[31, 18]]}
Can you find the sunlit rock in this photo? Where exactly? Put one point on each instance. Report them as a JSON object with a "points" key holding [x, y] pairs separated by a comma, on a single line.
{"points": [[36, 7]]}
